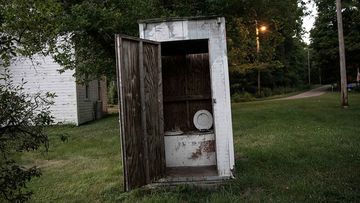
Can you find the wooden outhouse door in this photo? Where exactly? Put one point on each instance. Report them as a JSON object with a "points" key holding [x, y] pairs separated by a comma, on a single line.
{"points": [[138, 64]]}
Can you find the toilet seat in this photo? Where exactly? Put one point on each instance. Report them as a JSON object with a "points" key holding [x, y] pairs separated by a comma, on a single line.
{"points": [[203, 120]]}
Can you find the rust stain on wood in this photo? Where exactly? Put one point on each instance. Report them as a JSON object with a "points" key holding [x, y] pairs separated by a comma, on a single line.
{"points": [[205, 147], [208, 146]]}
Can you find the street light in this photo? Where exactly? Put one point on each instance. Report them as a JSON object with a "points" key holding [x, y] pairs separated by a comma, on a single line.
{"points": [[262, 28]]}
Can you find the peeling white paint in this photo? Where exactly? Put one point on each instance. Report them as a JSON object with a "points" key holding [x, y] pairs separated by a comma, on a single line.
{"points": [[214, 30], [190, 150]]}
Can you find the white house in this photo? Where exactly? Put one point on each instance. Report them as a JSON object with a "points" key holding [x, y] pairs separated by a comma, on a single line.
{"points": [[74, 103]]}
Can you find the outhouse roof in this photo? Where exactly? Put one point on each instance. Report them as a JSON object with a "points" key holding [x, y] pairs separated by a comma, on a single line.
{"points": [[171, 19]]}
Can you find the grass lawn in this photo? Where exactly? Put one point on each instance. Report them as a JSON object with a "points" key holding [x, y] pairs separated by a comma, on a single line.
{"points": [[304, 150]]}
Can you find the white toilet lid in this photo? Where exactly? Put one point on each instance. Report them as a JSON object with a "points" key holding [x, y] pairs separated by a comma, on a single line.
{"points": [[203, 120], [173, 132]]}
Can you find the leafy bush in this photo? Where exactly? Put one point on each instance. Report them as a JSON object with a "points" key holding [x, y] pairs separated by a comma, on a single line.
{"points": [[22, 121], [112, 93], [278, 91], [236, 98], [244, 97], [304, 87], [264, 92], [235, 88], [356, 88], [285, 90], [267, 92], [260, 94]]}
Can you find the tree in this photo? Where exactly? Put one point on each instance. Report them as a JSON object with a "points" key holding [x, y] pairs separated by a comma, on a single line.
{"points": [[85, 28], [324, 40], [89, 28], [91, 25], [22, 121], [344, 95], [281, 58]]}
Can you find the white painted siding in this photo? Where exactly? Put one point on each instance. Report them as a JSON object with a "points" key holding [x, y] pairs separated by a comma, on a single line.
{"points": [[87, 104], [103, 95], [214, 30], [42, 76], [190, 150]]}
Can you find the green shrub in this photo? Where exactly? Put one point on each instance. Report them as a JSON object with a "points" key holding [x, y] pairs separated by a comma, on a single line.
{"points": [[304, 87], [278, 90], [244, 97], [260, 94], [23, 117], [356, 89], [285, 90], [267, 92], [112, 93]]}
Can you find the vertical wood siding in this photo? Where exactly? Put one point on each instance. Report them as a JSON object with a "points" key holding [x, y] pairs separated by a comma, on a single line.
{"points": [[140, 100], [134, 145], [214, 31], [187, 89], [153, 105]]}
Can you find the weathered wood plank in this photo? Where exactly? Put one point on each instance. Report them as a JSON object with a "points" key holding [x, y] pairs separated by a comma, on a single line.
{"points": [[161, 109], [118, 50], [143, 110], [186, 98], [152, 87], [130, 113], [186, 80], [133, 115], [212, 29], [130, 38], [141, 119]]}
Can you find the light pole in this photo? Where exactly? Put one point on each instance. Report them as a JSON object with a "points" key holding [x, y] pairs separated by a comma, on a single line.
{"points": [[308, 60], [344, 93], [262, 29]]}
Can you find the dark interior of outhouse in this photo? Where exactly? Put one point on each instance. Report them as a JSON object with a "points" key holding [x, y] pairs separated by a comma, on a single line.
{"points": [[186, 83], [186, 90]]}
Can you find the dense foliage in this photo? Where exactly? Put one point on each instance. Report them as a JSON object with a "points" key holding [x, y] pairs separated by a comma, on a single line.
{"points": [[89, 27], [282, 56], [325, 51], [22, 120]]}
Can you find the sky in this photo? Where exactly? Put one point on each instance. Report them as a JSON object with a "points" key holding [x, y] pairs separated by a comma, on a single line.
{"points": [[308, 21]]}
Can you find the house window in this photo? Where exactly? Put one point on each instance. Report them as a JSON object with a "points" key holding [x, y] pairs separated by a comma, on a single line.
{"points": [[87, 91]]}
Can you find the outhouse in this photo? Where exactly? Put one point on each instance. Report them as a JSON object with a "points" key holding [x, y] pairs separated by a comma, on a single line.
{"points": [[174, 100]]}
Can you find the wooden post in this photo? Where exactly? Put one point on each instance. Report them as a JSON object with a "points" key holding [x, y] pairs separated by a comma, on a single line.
{"points": [[119, 65], [161, 110], [309, 67], [143, 111], [344, 94]]}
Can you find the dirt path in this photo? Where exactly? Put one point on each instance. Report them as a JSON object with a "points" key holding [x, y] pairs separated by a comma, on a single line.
{"points": [[311, 93]]}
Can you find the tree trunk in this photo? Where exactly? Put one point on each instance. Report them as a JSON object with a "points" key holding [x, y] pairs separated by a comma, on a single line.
{"points": [[344, 94], [258, 82], [309, 79]]}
